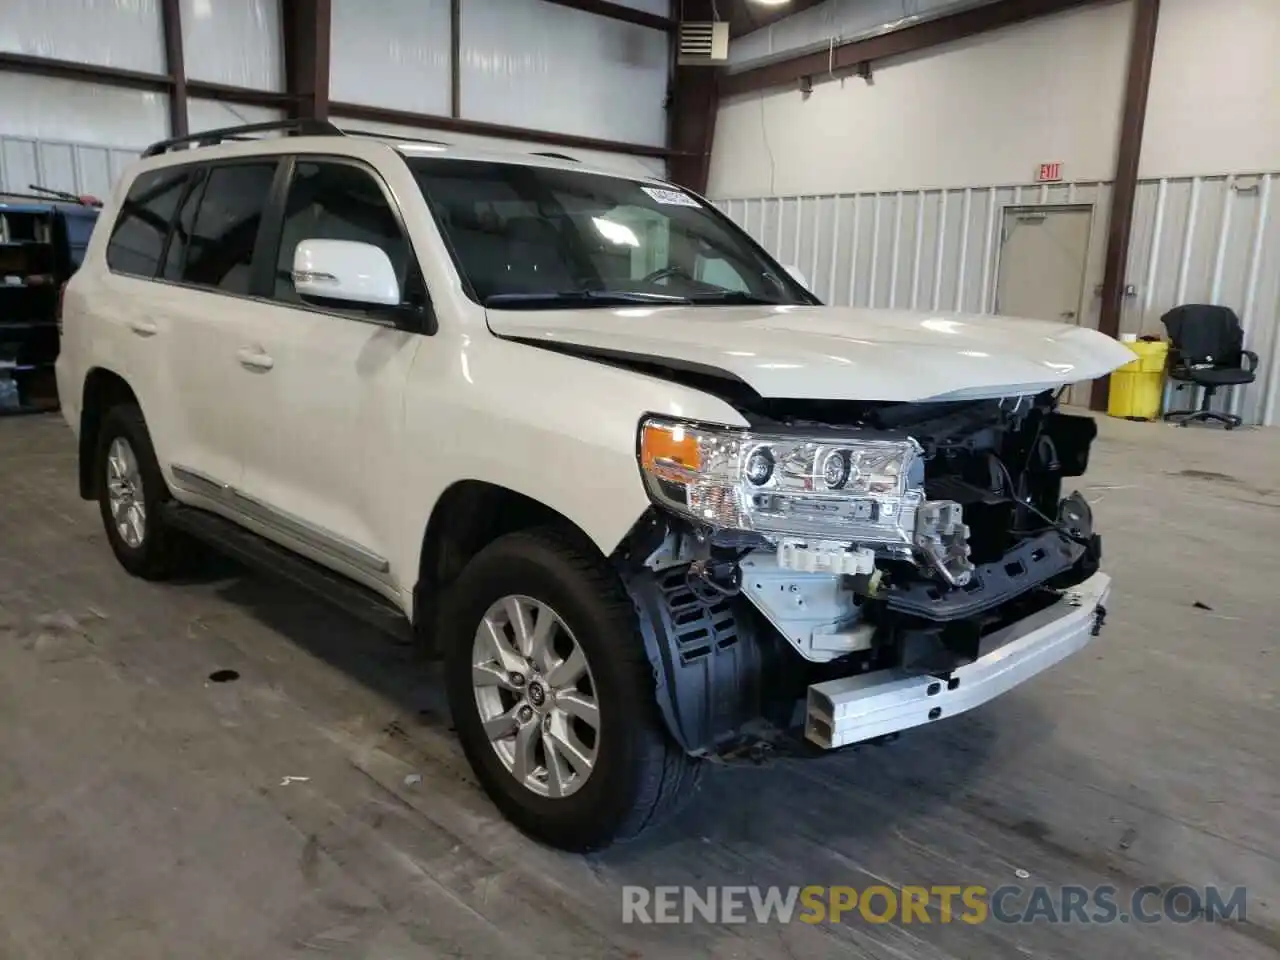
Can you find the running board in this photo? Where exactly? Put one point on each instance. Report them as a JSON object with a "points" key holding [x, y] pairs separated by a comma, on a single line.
{"points": [[866, 706], [266, 557]]}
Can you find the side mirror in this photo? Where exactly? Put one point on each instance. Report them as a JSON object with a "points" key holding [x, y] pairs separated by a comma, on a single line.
{"points": [[345, 270], [796, 275]]}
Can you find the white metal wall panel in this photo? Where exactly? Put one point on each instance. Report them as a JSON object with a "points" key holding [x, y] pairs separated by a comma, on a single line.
{"points": [[1192, 126], [394, 53], [233, 41], [45, 108], [114, 33], [988, 110], [205, 114], [76, 167], [1213, 240], [1195, 240], [532, 64], [621, 163]]}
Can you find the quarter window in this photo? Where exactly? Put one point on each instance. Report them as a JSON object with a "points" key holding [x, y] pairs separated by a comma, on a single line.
{"points": [[139, 233], [220, 251]]}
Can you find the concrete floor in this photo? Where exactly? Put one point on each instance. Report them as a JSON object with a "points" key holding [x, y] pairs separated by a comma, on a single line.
{"points": [[147, 812]]}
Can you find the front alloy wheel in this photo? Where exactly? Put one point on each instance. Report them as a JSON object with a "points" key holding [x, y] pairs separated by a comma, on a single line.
{"points": [[536, 696], [552, 693]]}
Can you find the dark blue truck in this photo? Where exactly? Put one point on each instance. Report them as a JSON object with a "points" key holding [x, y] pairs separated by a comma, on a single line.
{"points": [[42, 242]]}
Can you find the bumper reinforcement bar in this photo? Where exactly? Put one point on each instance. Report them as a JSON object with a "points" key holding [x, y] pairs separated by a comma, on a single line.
{"points": [[853, 709]]}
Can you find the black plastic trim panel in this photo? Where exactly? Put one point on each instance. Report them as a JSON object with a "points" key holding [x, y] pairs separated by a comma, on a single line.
{"points": [[1023, 568], [708, 665]]}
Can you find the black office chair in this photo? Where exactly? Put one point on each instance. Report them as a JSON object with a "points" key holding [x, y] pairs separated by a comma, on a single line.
{"points": [[1207, 351]]}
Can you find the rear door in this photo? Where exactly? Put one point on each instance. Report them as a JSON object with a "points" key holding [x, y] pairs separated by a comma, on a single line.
{"points": [[209, 270], [122, 316]]}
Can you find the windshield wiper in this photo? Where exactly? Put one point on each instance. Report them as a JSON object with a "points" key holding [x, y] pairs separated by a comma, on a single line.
{"points": [[733, 296], [595, 298]]}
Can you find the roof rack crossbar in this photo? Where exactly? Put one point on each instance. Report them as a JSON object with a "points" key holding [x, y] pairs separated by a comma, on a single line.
{"points": [[301, 127]]}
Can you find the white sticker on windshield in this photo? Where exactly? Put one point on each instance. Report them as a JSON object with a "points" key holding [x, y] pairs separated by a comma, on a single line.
{"points": [[670, 197]]}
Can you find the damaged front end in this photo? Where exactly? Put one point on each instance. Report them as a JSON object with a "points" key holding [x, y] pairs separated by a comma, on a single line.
{"points": [[854, 569]]}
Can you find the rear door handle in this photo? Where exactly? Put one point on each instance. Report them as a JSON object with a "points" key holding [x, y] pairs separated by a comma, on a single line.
{"points": [[144, 328], [254, 359]]}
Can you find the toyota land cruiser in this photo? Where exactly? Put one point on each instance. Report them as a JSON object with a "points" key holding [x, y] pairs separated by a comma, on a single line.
{"points": [[650, 500]]}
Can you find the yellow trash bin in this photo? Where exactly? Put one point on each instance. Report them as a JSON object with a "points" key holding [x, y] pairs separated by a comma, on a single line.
{"points": [[1137, 388]]}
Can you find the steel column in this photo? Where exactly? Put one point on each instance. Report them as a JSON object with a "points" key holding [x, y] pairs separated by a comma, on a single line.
{"points": [[305, 29], [692, 105], [171, 20], [1142, 47]]}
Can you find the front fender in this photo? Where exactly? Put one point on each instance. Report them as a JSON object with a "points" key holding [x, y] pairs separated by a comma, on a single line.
{"points": [[560, 430]]}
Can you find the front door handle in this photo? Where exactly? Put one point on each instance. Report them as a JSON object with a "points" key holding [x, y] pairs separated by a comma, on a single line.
{"points": [[144, 328], [254, 359]]}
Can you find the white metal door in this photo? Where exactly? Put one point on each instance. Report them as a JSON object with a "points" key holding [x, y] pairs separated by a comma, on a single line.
{"points": [[329, 382], [329, 396], [1043, 256]]}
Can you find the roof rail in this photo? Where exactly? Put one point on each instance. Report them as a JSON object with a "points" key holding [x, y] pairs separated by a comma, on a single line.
{"points": [[392, 136], [554, 156], [206, 138]]}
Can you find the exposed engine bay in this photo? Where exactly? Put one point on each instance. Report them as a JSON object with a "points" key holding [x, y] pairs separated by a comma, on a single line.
{"points": [[978, 536]]}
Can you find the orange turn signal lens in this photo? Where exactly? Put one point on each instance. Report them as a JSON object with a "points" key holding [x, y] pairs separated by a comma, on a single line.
{"points": [[670, 451]]}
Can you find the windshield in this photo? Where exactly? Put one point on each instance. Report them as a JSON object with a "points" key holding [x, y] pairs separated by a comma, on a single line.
{"points": [[528, 237]]}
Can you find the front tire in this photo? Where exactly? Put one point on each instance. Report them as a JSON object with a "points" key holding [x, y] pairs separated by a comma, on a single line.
{"points": [[553, 696], [131, 490]]}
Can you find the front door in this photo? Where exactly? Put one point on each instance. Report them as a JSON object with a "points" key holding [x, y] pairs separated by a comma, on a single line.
{"points": [[329, 380], [1043, 255]]}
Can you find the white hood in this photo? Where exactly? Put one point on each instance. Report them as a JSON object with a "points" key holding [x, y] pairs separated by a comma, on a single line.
{"points": [[838, 353]]}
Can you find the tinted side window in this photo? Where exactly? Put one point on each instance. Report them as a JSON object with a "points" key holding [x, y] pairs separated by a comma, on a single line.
{"points": [[175, 257], [140, 230], [220, 252], [336, 201]]}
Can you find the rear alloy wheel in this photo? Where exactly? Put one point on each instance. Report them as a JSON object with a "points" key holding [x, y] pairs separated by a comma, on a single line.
{"points": [[536, 696], [125, 495], [131, 490]]}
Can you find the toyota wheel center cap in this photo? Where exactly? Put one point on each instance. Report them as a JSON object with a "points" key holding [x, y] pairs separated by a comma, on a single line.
{"points": [[537, 695]]}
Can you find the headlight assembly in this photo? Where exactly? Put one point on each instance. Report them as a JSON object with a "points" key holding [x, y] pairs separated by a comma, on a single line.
{"points": [[867, 492]]}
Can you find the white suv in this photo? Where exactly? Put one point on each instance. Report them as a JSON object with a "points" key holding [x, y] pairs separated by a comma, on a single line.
{"points": [[651, 501]]}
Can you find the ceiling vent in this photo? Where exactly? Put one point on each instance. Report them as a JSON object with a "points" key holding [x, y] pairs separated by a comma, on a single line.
{"points": [[704, 43]]}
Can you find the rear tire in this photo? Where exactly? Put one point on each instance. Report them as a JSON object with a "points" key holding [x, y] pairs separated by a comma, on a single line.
{"points": [[638, 774], [131, 490]]}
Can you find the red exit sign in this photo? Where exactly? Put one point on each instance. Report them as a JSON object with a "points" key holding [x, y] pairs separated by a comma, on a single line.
{"points": [[1049, 172]]}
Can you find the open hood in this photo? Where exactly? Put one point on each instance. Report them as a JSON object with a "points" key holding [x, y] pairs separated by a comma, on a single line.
{"points": [[834, 353]]}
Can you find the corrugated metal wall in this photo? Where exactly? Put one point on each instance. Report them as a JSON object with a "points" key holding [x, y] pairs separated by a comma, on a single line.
{"points": [[75, 167], [532, 64], [524, 63], [1212, 239], [232, 41]]}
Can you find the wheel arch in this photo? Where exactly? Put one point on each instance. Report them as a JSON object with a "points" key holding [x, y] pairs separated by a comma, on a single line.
{"points": [[467, 517], [104, 388]]}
